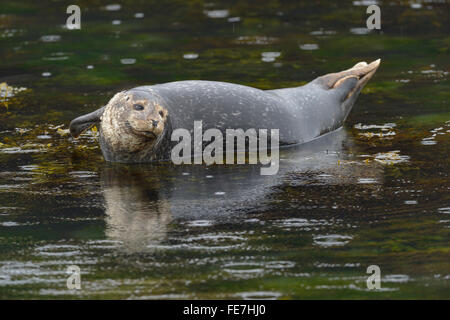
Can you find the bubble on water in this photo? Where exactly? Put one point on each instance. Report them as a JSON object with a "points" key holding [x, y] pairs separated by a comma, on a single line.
{"points": [[128, 61], [90, 67], [113, 7], [219, 193], [416, 5], [410, 202], [270, 56], [44, 136], [367, 180], [190, 56], [139, 15], [9, 224], [116, 22], [309, 46], [217, 14], [46, 74], [365, 3]]}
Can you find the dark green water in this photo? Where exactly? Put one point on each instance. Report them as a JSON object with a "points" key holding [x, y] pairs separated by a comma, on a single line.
{"points": [[374, 193]]}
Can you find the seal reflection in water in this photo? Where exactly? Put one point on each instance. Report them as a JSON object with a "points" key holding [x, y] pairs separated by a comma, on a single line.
{"points": [[137, 215], [136, 125], [141, 201]]}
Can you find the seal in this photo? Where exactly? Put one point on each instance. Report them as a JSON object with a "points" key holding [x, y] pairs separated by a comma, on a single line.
{"points": [[136, 125]]}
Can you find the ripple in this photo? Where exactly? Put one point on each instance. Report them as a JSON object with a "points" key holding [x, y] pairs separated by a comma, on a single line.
{"points": [[200, 223], [428, 142], [244, 269], [259, 295], [128, 61], [367, 180], [396, 278], [331, 240], [270, 56], [83, 174], [13, 150], [279, 264], [255, 40], [234, 19], [50, 38], [444, 210], [113, 7], [365, 3], [58, 250], [190, 56], [359, 31], [304, 224], [217, 14], [322, 32], [9, 224], [309, 46]]}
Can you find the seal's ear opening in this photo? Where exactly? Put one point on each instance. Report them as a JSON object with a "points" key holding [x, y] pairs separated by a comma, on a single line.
{"points": [[84, 122]]}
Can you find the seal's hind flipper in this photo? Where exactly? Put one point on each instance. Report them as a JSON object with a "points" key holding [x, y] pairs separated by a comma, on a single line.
{"points": [[360, 70], [84, 122]]}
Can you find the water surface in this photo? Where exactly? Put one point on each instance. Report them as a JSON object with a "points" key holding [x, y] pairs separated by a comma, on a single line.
{"points": [[373, 193]]}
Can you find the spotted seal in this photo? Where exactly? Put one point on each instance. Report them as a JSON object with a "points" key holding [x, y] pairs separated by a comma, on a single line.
{"points": [[136, 125]]}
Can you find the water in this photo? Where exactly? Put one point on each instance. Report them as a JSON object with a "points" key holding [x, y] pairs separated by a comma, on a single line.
{"points": [[374, 193]]}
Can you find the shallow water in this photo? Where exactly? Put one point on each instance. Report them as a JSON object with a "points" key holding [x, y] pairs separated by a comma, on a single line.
{"points": [[373, 193]]}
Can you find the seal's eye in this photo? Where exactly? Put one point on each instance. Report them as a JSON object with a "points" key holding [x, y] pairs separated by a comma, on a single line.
{"points": [[161, 114], [138, 107]]}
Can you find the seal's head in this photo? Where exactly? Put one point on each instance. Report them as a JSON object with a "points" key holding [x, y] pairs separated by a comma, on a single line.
{"points": [[132, 125]]}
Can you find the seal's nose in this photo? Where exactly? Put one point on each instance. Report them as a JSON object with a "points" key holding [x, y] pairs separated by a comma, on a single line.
{"points": [[155, 123]]}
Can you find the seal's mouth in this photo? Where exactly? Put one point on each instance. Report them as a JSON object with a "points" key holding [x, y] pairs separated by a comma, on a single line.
{"points": [[145, 133], [362, 71]]}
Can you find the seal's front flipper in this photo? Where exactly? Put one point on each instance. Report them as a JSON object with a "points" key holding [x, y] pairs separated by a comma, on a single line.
{"points": [[84, 122]]}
